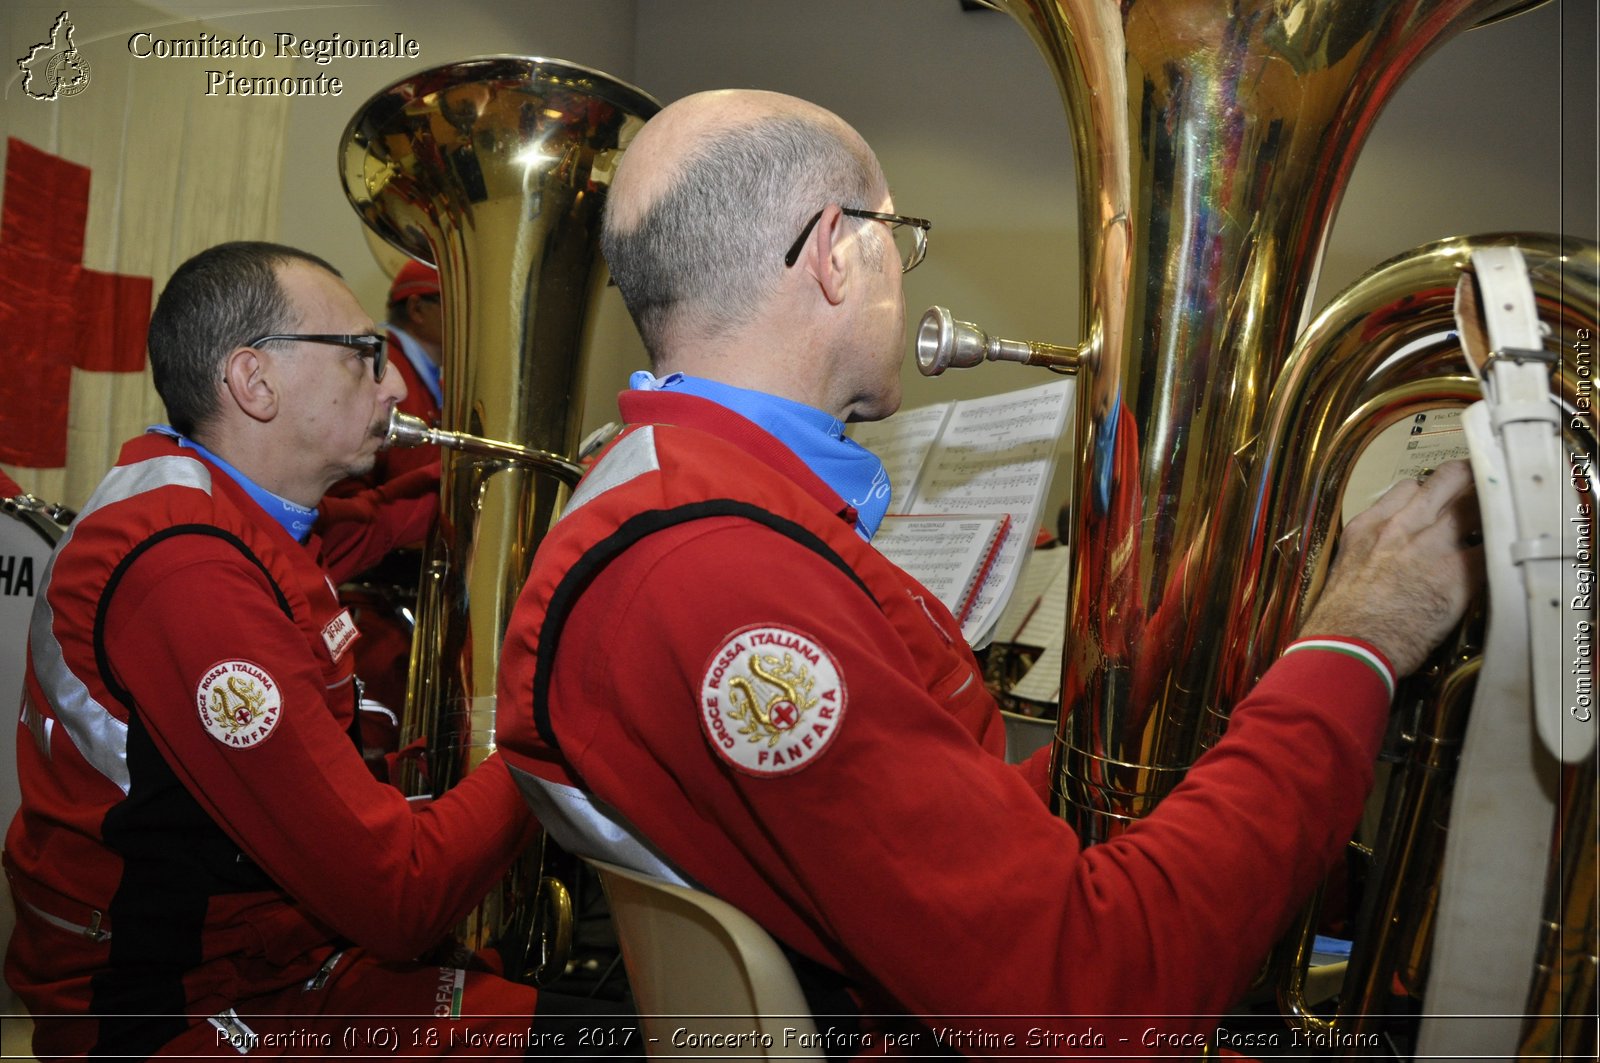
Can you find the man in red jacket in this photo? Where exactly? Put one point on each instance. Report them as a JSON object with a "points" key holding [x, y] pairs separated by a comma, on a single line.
{"points": [[712, 675], [202, 862], [416, 339], [382, 598]]}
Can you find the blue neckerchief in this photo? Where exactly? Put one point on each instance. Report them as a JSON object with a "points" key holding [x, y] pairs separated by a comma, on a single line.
{"points": [[421, 362], [295, 518], [816, 437]]}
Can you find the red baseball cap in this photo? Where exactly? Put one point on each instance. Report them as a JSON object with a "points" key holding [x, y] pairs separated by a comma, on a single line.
{"points": [[414, 278]]}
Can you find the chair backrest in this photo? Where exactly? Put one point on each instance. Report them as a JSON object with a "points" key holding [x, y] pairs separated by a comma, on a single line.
{"points": [[702, 971], [1025, 735]]}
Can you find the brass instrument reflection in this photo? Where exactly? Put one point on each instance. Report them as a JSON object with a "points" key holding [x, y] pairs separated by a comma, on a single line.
{"points": [[495, 170], [1213, 144]]}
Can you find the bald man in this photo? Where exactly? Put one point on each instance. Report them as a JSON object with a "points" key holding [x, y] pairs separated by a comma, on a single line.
{"points": [[713, 676]]}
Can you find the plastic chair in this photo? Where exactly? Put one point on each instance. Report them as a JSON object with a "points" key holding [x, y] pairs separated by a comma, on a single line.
{"points": [[16, 1036], [708, 981], [1025, 735]]}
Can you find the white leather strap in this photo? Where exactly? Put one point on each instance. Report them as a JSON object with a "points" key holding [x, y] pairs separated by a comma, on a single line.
{"points": [[1526, 429], [1491, 890]]}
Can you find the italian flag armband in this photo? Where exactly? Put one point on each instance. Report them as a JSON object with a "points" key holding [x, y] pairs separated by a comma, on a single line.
{"points": [[1351, 648]]}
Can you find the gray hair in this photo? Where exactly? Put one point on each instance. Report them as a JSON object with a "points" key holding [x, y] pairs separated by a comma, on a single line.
{"points": [[218, 300], [709, 250]]}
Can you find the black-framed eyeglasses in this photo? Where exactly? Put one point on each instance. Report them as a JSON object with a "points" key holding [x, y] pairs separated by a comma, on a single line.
{"points": [[367, 344], [910, 236]]}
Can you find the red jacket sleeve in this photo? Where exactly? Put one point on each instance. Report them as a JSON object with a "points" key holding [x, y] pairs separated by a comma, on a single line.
{"points": [[301, 803], [903, 853], [358, 530]]}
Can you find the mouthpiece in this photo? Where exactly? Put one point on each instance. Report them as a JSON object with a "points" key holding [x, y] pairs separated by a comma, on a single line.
{"points": [[943, 342], [408, 431]]}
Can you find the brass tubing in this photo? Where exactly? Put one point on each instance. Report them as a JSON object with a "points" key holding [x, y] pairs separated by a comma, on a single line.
{"points": [[496, 170], [943, 343], [1213, 143], [1383, 348], [408, 431]]}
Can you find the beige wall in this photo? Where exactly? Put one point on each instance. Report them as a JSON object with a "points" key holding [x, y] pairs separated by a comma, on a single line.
{"points": [[965, 116], [966, 119]]}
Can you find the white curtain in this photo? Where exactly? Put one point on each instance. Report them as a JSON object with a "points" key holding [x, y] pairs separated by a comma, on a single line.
{"points": [[172, 171]]}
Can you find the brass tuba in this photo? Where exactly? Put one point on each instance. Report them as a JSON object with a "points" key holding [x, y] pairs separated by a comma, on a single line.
{"points": [[494, 169], [1384, 349], [1213, 144]]}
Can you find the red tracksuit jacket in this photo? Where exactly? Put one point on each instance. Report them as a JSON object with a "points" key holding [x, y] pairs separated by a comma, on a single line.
{"points": [[796, 725], [197, 826]]}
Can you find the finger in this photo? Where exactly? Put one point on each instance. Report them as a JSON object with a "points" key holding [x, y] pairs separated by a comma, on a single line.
{"points": [[1390, 502], [1449, 482], [1466, 517], [1445, 489]]}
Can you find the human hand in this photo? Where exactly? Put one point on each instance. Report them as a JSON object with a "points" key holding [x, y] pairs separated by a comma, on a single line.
{"points": [[1406, 568]]}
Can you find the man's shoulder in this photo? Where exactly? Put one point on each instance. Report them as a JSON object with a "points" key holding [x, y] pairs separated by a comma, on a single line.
{"points": [[164, 508], [670, 464], [667, 485], [194, 558]]}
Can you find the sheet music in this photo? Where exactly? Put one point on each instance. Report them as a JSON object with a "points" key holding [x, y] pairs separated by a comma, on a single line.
{"points": [[996, 455], [978, 457], [1047, 626], [941, 552], [1043, 681], [1038, 572], [1404, 451], [902, 443]]}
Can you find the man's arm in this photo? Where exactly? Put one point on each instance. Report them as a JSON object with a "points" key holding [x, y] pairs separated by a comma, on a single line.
{"points": [[904, 851], [358, 530], [300, 802]]}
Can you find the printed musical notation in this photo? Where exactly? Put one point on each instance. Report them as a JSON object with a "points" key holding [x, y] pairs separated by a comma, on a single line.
{"points": [[1036, 614], [949, 555], [1405, 450], [986, 456], [903, 447]]}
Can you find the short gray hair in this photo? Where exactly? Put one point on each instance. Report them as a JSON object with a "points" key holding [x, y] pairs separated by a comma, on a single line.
{"points": [[710, 249], [218, 300]]}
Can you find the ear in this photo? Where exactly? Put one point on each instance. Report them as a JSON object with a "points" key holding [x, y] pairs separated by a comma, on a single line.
{"points": [[248, 383], [825, 259]]}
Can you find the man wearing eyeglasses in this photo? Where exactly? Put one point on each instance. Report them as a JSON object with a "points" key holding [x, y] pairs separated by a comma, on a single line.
{"points": [[202, 862], [711, 676]]}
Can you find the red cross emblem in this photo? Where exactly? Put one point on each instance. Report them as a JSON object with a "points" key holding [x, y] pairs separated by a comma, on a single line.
{"points": [[784, 715]]}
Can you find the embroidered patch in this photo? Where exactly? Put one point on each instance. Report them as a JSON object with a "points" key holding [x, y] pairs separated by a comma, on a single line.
{"points": [[771, 700], [339, 633], [239, 703]]}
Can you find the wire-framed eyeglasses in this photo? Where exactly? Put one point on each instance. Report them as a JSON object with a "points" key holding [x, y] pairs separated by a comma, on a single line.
{"points": [[367, 344], [910, 236]]}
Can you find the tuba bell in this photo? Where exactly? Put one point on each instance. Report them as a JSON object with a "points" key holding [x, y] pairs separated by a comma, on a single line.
{"points": [[495, 170], [1214, 429]]}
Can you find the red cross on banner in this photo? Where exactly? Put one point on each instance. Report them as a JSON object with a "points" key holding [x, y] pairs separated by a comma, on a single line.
{"points": [[54, 312]]}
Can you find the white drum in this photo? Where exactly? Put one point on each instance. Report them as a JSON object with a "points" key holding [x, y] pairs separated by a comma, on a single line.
{"points": [[29, 529]]}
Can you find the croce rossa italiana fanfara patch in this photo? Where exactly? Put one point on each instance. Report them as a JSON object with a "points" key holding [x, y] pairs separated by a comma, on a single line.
{"points": [[239, 703], [771, 700]]}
